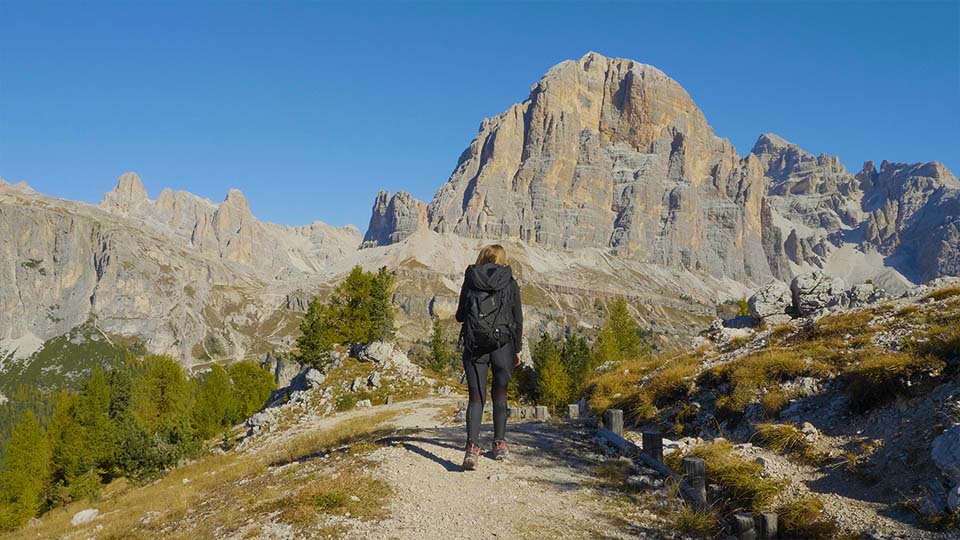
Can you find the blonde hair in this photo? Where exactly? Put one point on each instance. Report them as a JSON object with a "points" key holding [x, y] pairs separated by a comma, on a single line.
{"points": [[494, 253]]}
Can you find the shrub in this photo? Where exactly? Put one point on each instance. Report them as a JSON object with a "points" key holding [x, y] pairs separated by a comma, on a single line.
{"points": [[881, 376]]}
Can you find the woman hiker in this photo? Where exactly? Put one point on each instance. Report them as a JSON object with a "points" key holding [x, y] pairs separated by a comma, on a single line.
{"points": [[492, 318]]}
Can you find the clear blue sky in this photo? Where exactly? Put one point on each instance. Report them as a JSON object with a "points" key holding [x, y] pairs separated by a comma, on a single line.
{"points": [[310, 108]]}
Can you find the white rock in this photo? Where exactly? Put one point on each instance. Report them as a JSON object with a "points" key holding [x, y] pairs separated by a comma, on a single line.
{"points": [[84, 516], [771, 299], [363, 403]]}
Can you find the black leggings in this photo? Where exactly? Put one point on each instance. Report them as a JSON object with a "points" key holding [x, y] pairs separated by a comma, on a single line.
{"points": [[501, 360]]}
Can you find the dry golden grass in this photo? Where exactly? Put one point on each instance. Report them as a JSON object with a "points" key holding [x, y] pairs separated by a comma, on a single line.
{"points": [[345, 432], [673, 381], [617, 385], [741, 480], [696, 522], [943, 294], [881, 376], [758, 373], [803, 519], [346, 491], [787, 439]]}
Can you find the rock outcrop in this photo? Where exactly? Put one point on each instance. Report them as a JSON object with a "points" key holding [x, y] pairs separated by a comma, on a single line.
{"points": [[772, 300], [394, 218], [610, 153]]}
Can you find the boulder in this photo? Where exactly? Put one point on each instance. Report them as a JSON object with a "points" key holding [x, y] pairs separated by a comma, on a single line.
{"points": [[388, 357], [814, 292], [357, 384], [84, 516], [364, 403], [374, 379], [313, 378], [945, 453], [864, 294], [770, 300]]}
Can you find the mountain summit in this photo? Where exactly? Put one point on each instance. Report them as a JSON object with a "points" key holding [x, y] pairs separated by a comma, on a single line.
{"points": [[612, 153]]}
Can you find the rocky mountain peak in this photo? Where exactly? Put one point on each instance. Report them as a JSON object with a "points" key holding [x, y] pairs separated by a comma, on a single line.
{"points": [[128, 192], [394, 218], [235, 198]]}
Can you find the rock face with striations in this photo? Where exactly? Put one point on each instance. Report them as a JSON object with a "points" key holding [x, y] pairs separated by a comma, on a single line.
{"points": [[394, 218], [610, 153]]}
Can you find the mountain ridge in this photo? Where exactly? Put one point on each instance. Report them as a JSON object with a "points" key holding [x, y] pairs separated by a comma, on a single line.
{"points": [[606, 180]]}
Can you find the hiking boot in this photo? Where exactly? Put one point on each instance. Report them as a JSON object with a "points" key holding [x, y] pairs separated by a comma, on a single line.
{"points": [[500, 451], [471, 458]]}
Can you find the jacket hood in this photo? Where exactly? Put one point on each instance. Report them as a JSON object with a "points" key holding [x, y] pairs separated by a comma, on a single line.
{"points": [[487, 277]]}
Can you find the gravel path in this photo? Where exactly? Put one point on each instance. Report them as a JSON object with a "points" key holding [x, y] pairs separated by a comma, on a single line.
{"points": [[545, 489]]}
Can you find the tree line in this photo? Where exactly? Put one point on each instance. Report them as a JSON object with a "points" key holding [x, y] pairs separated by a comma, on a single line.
{"points": [[134, 420]]}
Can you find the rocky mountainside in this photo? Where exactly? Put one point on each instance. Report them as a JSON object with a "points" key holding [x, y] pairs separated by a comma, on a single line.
{"points": [[606, 181], [612, 153]]}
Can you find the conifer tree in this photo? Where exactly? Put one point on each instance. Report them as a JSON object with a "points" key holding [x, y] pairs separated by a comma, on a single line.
{"points": [[440, 356], [314, 341], [381, 305], [620, 337], [161, 395], [216, 406], [577, 361], [553, 380], [25, 473], [252, 386]]}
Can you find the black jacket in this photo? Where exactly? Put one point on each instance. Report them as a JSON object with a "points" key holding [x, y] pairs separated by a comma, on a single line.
{"points": [[494, 277]]}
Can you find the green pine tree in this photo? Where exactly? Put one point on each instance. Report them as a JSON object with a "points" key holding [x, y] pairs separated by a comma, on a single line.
{"points": [[314, 341], [542, 350], [99, 432], [577, 361], [216, 406], [620, 338], [252, 386], [553, 381], [25, 473], [440, 357], [161, 395], [381, 305]]}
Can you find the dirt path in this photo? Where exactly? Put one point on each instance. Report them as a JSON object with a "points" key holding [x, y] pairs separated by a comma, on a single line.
{"points": [[547, 488]]}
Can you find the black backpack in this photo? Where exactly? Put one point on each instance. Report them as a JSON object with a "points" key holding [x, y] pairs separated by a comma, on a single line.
{"points": [[489, 322]]}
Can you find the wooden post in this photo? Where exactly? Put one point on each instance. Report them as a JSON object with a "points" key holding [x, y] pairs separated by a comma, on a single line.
{"points": [[573, 411], [743, 527], [390, 400], [695, 475], [767, 523], [613, 420], [653, 444], [540, 412]]}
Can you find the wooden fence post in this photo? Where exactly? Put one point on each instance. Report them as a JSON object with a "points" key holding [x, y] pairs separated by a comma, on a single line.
{"points": [[573, 411], [695, 475], [613, 420], [390, 400], [540, 412], [653, 444], [767, 523], [743, 527]]}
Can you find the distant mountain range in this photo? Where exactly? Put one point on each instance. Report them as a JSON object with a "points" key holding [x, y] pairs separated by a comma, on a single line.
{"points": [[607, 180]]}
